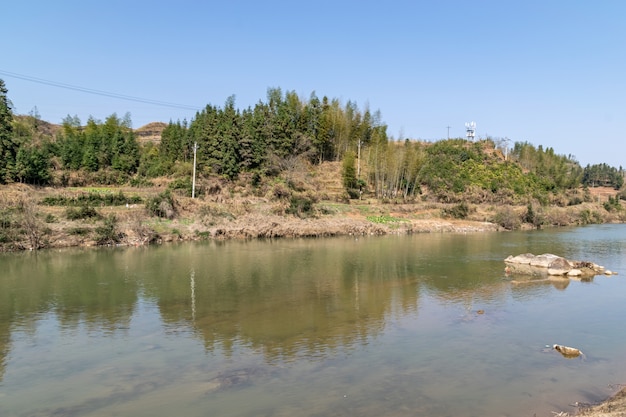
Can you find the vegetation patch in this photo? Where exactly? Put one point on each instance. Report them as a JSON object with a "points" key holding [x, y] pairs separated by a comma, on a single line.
{"points": [[183, 187], [82, 213], [385, 219], [162, 205], [92, 198], [508, 219], [204, 235], [613, 204], [459, 211], [107, 233], [79, 231], [301, 205], [590, 217]]}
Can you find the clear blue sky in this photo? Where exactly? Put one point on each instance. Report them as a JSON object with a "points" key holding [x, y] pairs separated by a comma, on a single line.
{"points": [[552, 73]]}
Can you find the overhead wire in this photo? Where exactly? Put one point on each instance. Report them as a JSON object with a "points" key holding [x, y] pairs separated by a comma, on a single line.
{"points": [[97, 92]]}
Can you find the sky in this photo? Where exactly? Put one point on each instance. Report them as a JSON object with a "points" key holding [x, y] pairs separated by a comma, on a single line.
{"points": [[547, 72]]}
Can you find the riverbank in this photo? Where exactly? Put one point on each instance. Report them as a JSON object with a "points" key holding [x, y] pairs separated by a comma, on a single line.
{"points": [[612, 407], [227, 211]]}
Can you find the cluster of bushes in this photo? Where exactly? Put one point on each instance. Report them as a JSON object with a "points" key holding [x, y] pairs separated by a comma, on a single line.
{"points": [[459, 211], [510, 219], [92, 199], [162, 205], [613, 204], [21, 226]]}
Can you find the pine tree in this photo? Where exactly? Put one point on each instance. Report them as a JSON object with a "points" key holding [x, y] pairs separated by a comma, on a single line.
{"points": [[348, 172], [8, 143]]}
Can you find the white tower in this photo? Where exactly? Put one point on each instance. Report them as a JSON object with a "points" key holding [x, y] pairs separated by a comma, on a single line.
{"points": [[470, 130]]}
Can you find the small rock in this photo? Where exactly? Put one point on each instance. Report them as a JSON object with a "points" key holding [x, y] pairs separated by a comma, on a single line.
{"points": [[567, 352]]}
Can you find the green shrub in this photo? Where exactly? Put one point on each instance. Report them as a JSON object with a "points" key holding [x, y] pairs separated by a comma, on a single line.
{"points": [[182, 185], [109, 177], [613, 204], [301, 205], [107, 233], [205, 235], [529, 217], [82, 213], [459, 211], [140, 182], [508, 219], [162, 205], [590, 217], [92, 199], [79, 231]]}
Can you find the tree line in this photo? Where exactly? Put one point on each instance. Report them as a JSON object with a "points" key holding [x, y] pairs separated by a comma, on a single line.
{"points": [[268, 138]]}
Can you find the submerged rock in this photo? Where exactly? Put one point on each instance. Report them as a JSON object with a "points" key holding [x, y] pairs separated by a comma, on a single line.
{"points": [[239, 378]]}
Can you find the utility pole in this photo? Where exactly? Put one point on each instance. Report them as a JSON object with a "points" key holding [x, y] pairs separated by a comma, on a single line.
{"points": [[448, 132], [358, 158], [193, 181], [358, 169]]}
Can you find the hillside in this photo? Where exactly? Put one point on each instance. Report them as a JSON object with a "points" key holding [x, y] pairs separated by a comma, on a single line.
{"points": [[263, 173], [150, 132], [315, 206]]}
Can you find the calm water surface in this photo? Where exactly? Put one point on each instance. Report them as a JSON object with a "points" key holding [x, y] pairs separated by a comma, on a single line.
{"points": [[423, 325]]}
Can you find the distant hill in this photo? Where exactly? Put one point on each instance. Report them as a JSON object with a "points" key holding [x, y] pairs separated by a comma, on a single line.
{"points": [[150, 132], [41, 126], [147, 133]]}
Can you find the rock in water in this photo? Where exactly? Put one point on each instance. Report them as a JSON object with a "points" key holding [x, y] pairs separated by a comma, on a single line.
{"points": [[568, 352]]}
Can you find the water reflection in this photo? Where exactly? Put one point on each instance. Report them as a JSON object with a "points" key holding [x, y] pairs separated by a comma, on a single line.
{"points": [[283, 298], [290, 300]]}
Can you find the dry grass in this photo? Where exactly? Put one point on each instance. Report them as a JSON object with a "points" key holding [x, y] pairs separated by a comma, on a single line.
{"points": [[150, 133], [224, 210]]}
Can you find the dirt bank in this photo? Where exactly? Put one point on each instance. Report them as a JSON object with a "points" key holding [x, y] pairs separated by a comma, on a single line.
{"points": [[612, 407], [237, 211]]}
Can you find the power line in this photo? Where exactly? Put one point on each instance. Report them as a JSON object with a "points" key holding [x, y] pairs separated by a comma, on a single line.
{"points": [[97, 92]]}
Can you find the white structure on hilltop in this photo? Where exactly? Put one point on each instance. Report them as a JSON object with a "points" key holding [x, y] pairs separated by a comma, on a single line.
{"points": [[470, 130]]}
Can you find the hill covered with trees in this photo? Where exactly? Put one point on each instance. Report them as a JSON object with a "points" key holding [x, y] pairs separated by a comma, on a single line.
{"points": [[279, 150]]}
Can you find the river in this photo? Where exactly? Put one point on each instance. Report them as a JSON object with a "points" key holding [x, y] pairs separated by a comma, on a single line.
{"points": [[419, 325]]}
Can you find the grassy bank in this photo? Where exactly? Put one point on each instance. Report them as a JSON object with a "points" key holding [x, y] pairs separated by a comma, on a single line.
{"points": [[44, 217]]}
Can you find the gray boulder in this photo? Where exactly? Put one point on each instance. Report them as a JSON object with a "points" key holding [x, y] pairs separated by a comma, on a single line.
{"points": [[549, 264]]}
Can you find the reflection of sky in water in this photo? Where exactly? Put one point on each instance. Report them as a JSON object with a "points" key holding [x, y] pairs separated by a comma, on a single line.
{"points": [[418, 325]]}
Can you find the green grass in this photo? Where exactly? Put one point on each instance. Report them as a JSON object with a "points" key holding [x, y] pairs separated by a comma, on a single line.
{"points": [[384, 219]]}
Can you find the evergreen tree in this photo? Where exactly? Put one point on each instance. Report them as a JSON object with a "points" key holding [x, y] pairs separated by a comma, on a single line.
{"points": [[70, 143], [226, 154], [171, 147], [33, 165], [251, 150], [348, 173], [92, 147], [322, 141], [8, 143]]}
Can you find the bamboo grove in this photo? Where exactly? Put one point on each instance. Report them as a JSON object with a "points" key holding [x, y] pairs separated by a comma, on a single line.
{"points": [[274, 135]]}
